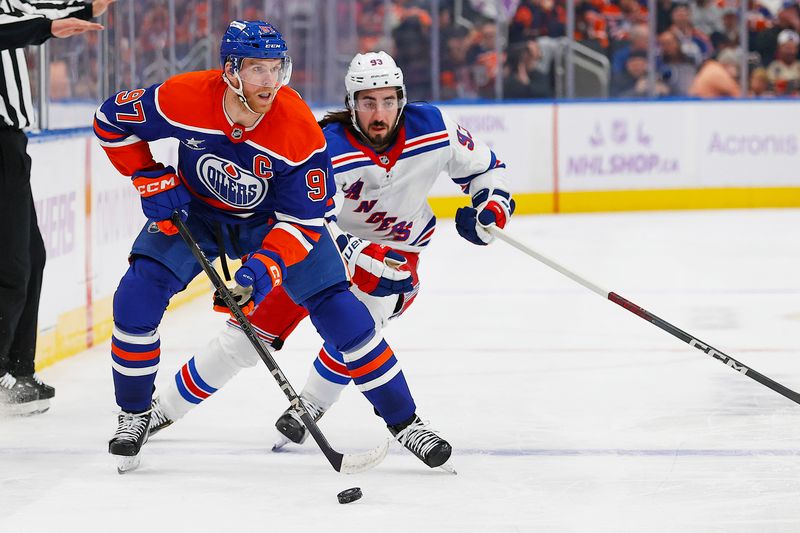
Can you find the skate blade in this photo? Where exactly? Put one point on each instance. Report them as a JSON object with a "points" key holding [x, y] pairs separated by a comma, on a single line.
{"points": [[280, 442], [127, 464], [447, 467], [25, 409]]}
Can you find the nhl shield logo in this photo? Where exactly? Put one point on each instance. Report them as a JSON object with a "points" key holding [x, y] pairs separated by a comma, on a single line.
{"points": [[384, 159], [237, 133]]}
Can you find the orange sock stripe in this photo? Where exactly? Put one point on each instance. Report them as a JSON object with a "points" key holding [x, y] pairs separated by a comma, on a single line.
{"points": [[135, 356], [372, 365]]}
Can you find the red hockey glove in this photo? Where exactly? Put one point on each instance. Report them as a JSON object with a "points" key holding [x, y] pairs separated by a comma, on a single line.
{"points": [[373, 267]]}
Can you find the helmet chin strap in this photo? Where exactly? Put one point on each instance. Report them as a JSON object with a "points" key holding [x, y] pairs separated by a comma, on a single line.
{"points": [[240, 91]]}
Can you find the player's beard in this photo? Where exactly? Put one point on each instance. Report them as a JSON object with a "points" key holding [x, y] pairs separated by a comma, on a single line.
{"points": [[381, 139]]}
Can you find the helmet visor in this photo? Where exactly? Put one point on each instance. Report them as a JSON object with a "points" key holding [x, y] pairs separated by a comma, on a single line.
{"points": [[370, 104], [270, 73]]}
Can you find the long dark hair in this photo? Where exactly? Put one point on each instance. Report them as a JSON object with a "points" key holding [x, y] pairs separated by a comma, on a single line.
{"points": [[336, 117]]}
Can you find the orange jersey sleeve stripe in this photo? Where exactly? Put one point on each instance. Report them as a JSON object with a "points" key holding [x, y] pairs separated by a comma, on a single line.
{"points": [[108, 134], [313, 235], [129, 159], [285, 245]]}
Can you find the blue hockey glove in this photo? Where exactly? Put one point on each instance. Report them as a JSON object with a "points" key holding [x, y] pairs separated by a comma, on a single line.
{"points": [[162, 193], [496, 209], [262, 270], [375, 269]]}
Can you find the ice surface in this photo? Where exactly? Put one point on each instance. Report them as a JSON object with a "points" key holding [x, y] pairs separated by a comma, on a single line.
{"points": [[566, 412]]}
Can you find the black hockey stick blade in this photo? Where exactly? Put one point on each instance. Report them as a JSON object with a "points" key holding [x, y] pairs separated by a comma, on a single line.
{"points": [[344, 463]]}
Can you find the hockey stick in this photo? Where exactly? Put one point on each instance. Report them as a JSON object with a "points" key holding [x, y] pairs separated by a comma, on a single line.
{"points": [[643, 313], [345, 463]]}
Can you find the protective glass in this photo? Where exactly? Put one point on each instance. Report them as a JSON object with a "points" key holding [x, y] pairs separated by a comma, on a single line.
{"points": [[266, 72], [370, 105]]}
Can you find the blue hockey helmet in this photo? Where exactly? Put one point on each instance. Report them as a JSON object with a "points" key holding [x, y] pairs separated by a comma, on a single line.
{"points": [[257, 39]]}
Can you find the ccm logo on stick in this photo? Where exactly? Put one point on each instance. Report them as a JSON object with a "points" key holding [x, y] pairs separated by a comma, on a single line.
{"points": [[716, 355]]}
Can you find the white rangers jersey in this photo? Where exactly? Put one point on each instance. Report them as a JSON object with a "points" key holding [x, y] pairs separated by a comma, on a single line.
{"points": [[384, 197]]}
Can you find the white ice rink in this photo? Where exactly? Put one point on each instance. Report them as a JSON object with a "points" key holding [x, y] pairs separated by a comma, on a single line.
{"points": [[566, 412]]}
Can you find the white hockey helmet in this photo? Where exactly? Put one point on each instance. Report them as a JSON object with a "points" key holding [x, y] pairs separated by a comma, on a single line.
{"points": [[373, 70]]}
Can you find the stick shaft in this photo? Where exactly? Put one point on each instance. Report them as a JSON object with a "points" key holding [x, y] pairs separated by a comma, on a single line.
{"points": [[650, 317], [334, 457]]}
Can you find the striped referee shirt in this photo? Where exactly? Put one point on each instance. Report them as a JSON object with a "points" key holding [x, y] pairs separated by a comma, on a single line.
{"points": [[23, 23]]}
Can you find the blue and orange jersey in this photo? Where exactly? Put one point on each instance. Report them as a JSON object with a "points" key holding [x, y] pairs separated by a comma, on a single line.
{"points": [[278, 168]]}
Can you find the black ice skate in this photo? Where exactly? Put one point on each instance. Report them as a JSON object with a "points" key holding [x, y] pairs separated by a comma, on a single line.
{"points": [[422, 441], [127, 442], [289, 425], [19, 399], [158, 420]]}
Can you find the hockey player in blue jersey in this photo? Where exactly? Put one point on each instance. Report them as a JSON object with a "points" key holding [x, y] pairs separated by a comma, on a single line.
{"points": [[386, 157], [253, 179]]}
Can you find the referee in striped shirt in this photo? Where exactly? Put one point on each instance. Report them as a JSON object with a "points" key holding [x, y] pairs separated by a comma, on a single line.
{"points": [[22, 253]]}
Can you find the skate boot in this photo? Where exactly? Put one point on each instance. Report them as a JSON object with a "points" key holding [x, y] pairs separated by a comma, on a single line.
{"points": [[45, 391], [422, 441], [17, 398], [289, 425], [127, 442], [158, 419]]}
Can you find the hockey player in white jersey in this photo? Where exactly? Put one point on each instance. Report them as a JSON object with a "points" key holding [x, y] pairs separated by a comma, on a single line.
{"points": [[386, 156]]}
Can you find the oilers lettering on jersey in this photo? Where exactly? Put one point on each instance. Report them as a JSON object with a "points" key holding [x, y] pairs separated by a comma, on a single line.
{"points": [[231, 184], [383, 197], [280, 169]]}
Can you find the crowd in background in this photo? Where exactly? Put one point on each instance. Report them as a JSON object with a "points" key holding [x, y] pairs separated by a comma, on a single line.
{"points": [[698, 50]]}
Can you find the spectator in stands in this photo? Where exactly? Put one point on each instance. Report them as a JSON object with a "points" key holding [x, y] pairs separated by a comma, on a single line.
{"points": [[663, 15], [766, 42], [706, 16], [675, 69], [537, 18], [784, 72], [622, 16], [482, 56], [524, 80], [718, 77], [484, 40], [728, 35], [695, 44], [759, 83], [413, 53], [632, 83], [455, 71], [591, 27], [639, 39]]}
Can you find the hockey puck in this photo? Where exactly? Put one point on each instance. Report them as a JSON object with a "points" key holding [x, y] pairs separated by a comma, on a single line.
{"points": [[349, 495]]}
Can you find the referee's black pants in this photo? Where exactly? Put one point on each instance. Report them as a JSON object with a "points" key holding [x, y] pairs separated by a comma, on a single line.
{"points": [[22, 257]]}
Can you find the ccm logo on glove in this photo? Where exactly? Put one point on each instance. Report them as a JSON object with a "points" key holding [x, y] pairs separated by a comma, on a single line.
{"points": [[149, 186]]}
